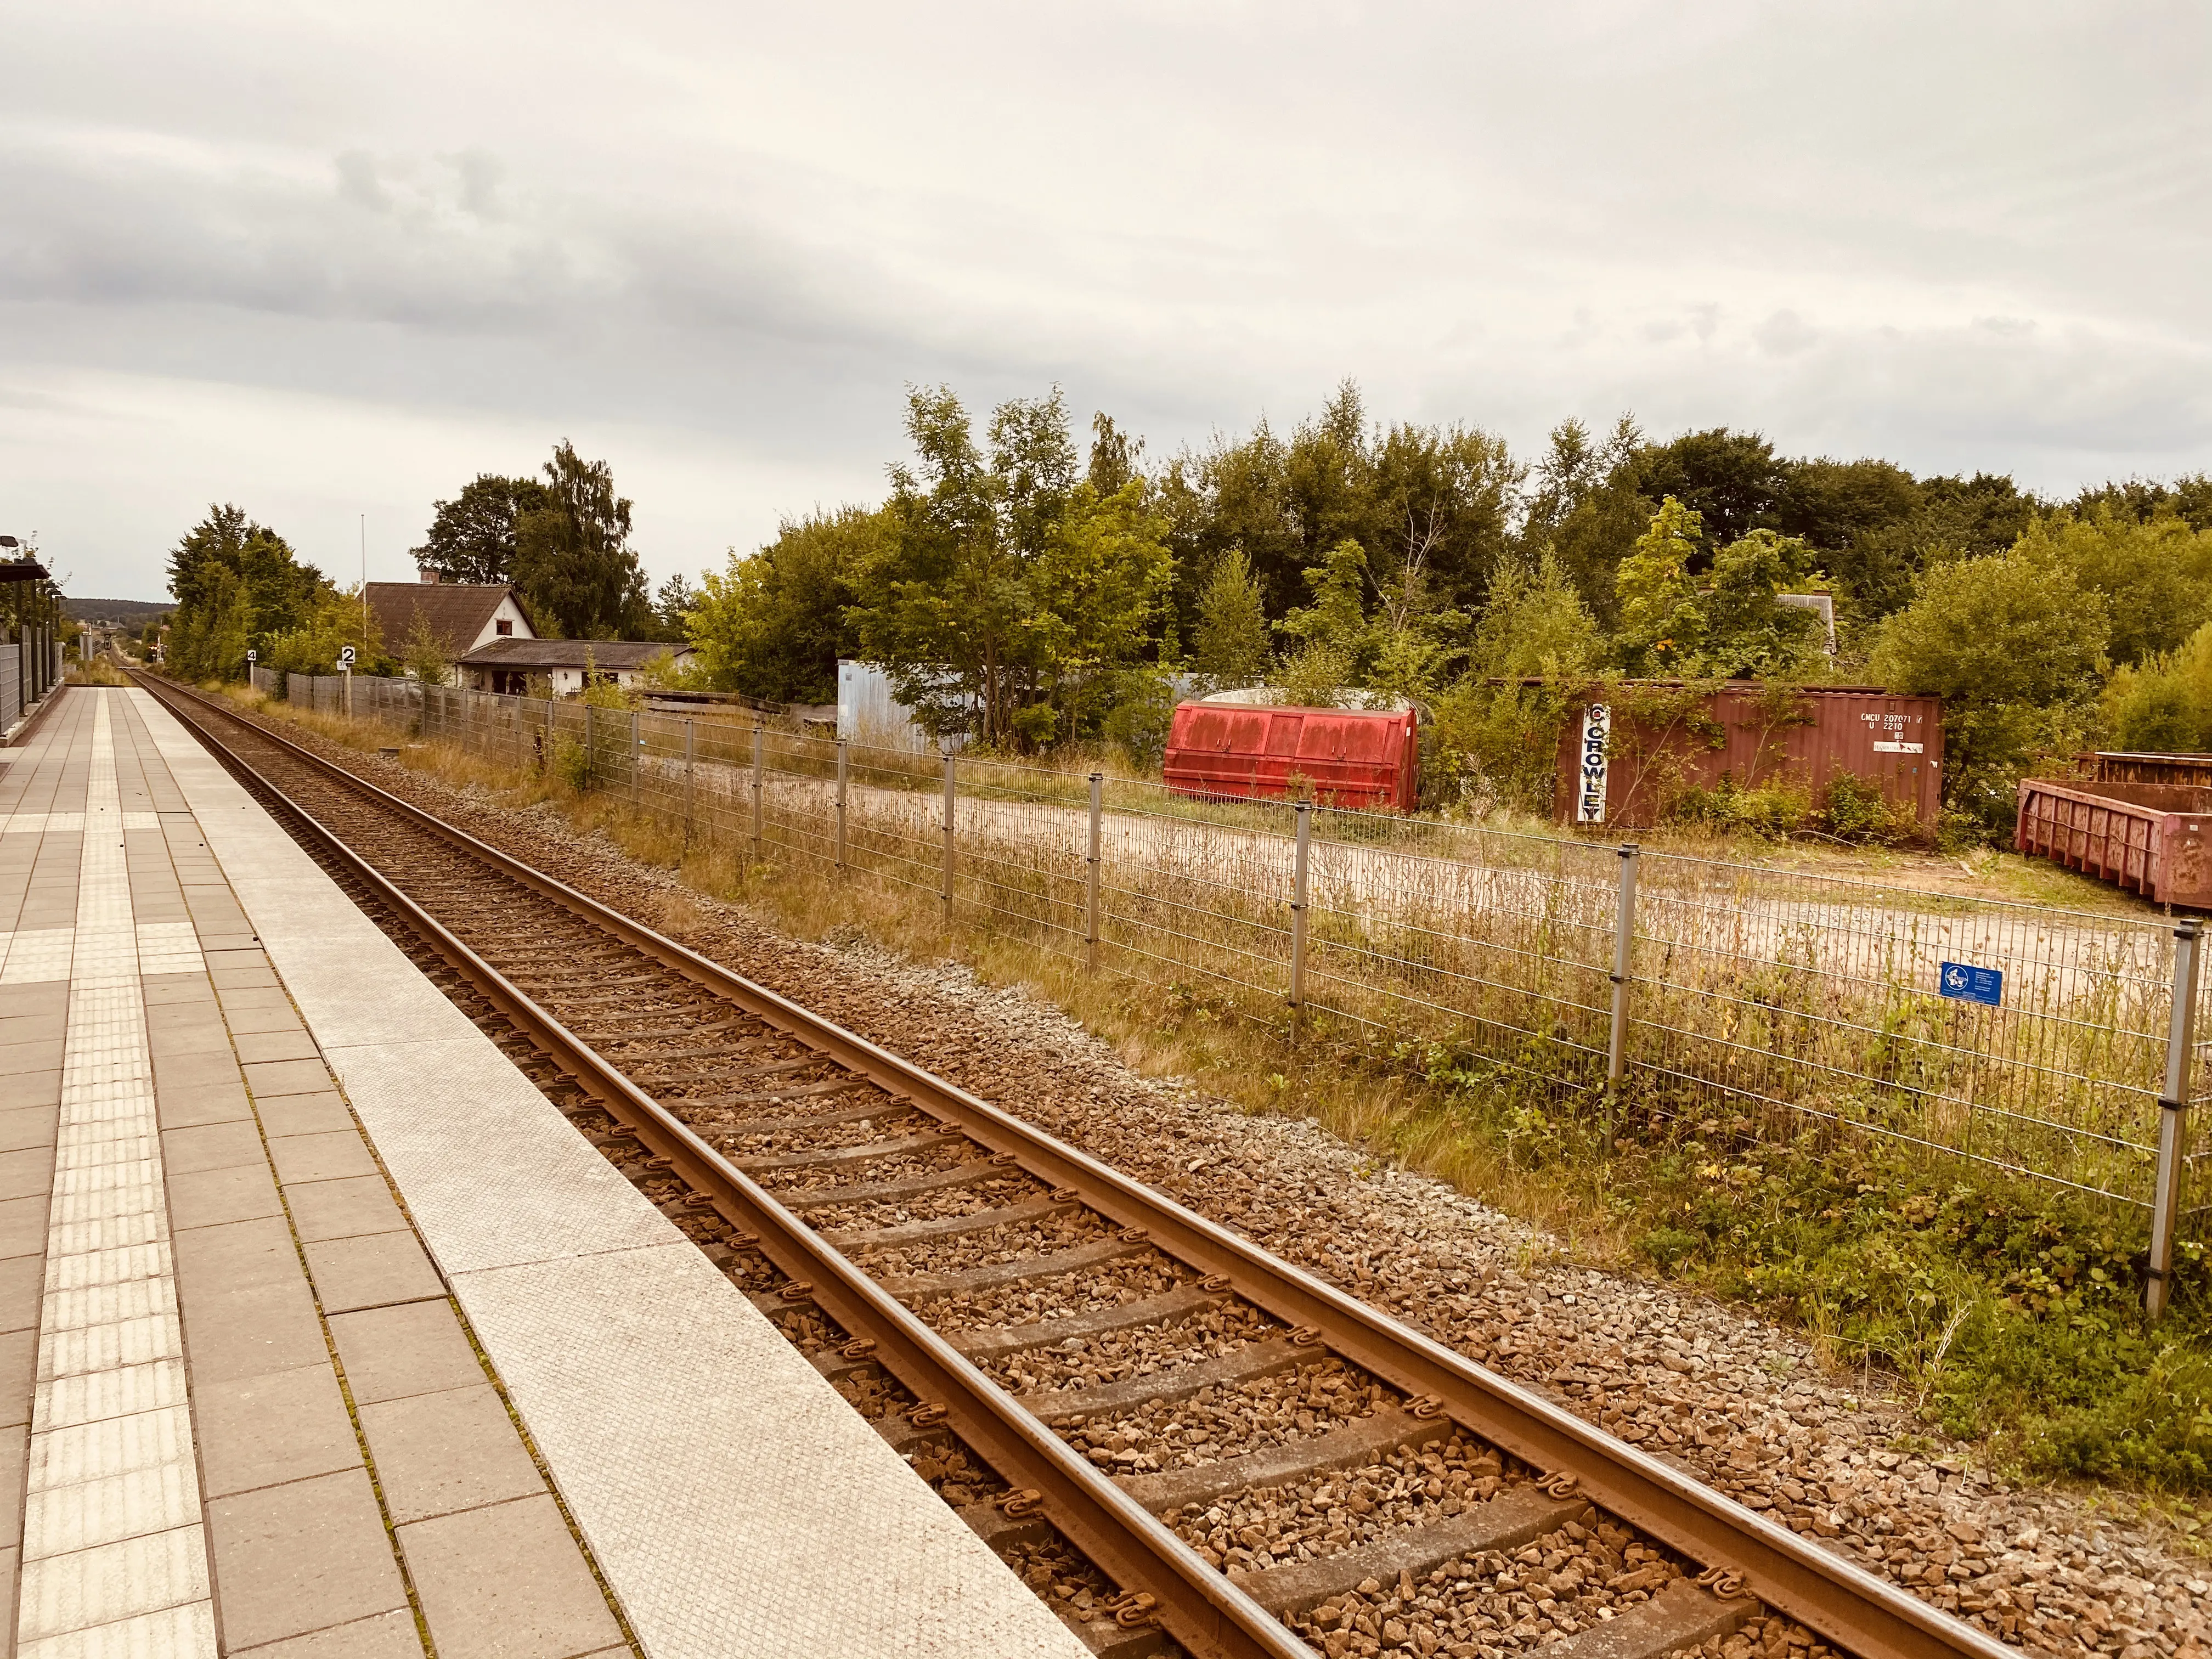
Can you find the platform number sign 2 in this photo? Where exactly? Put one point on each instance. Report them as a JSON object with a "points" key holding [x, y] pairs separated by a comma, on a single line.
{"points": [[345, 656], [1963, 982]]}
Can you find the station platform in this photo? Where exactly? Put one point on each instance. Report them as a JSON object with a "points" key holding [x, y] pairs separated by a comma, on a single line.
{"points": [[323, 1334]]}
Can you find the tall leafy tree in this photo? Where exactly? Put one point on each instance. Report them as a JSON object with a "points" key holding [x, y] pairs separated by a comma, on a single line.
{"points": [[278, 589], [773, 622], [2014, 645], [2155, 573], [1229, 647], [573, 558], [1007, 590], [471, 537], [1663, 625]]}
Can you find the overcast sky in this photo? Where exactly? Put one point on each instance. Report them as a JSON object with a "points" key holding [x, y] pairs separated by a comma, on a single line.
{"points": [[331, 261]]}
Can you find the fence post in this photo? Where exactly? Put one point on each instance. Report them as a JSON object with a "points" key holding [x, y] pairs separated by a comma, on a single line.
{"points": [[949, 788], [1091, 873], [636, 760], [590, 757], [1304, 809], [1624, 940], [840, 803], [757, 853], [690, 776], [2173, 1115]]}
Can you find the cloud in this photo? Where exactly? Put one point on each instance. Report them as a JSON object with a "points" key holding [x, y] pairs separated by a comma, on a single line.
{"points": [[725, 239]]}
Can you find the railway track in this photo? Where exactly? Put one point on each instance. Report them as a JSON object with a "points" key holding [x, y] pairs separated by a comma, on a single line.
{"points": [[1175, 1437]]}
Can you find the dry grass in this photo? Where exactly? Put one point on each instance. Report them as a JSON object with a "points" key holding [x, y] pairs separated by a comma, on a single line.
{"points": [[1434, 951], [1207, 1041]]}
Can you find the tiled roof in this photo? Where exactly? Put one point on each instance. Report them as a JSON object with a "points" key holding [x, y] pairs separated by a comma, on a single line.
{"points": [[454, 612], [567, 653]]}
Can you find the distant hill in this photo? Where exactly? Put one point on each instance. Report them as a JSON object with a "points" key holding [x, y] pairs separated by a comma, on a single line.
{"points": [[132, 613]]}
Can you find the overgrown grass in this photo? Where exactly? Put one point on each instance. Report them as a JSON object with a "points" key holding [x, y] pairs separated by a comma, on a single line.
{"points": [[2002, 1311]]}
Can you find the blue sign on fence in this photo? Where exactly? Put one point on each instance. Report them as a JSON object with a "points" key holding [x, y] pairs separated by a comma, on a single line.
{"points": [[1968, 983]]}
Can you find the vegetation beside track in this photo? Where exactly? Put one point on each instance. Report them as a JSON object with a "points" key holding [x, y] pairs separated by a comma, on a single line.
{"points": [[2002, 1313]]}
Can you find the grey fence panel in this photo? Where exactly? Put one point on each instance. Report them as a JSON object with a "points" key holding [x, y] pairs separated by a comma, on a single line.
{"points": [[11, 686], [1755, 1003]]}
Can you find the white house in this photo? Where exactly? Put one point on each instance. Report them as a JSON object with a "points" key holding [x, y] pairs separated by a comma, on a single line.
{"points": [[510, 665], [459, 616]]}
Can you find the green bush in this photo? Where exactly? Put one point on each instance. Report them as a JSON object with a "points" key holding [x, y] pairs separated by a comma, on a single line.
{"points": [[571, 764], [1853, 809]]}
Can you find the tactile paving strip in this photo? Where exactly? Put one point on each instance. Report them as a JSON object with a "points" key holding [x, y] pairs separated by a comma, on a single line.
{"points": [[114, 1553]]}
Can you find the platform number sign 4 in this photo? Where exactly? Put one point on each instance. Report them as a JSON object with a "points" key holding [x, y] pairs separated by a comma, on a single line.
{"points": [[345, 656], [1963, 982], [252, 657]]}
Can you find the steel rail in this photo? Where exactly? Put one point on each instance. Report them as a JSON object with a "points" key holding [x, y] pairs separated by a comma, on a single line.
{"points": [[1842, 1602], [1195, 1603]]}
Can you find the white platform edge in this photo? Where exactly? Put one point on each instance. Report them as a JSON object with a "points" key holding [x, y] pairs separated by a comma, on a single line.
{"points": [[737, 1505]]}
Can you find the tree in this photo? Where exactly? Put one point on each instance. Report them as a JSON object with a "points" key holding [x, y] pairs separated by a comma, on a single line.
{"points": [[2014, 645], [2155, 573], [238, 587], [1730, 625], [1097, 585], [1006, 592], [471, 538], [1588, 509], [1749, 632], [572, 559], [1114, 456], [1663, 625], [1494, 737], [335, 620], [278, 590], [1535, 625], [2163, 705], [1731, 480], [774, 622], [1229, 647], [671, 603]]}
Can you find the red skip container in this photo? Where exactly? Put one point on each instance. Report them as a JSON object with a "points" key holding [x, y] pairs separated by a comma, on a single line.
{"points": [[1340, 757], [2155, 839]]}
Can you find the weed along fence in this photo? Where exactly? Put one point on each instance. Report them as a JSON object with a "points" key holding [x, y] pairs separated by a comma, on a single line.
{"points": [[1671, 994]]}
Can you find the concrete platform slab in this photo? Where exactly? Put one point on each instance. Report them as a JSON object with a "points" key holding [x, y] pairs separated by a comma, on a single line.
{"points": [[637, 1369]]}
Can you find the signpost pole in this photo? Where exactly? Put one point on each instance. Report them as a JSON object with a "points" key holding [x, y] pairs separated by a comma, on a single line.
{"points": [[756, 794], [1624, 941], [1091, 873], [949, 796], [840, 803], [1299, 870], [2173, 1115]]}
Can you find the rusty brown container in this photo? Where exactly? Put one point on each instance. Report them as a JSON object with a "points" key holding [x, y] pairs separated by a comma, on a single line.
{"points": [[1628, 769], [2153, 768], [2147, 838]]}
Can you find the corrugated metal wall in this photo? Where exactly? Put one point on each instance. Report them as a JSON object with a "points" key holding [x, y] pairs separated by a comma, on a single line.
{"points": [[868, 712], [1653, 750]]}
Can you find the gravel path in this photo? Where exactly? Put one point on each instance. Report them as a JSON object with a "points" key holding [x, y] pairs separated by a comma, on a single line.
{"points": [[1741, 1403]]}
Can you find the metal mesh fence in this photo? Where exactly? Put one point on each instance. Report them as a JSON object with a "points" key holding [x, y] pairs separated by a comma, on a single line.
{"points": [[1775, 1002]]}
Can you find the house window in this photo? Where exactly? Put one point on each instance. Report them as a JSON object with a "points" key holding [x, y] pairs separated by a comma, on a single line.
{"points": [[503, 627]]}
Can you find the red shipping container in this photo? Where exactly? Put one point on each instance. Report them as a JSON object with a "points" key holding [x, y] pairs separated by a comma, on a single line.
{"points": [[1619, 773], [2155, 839], [1244, 751]]}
